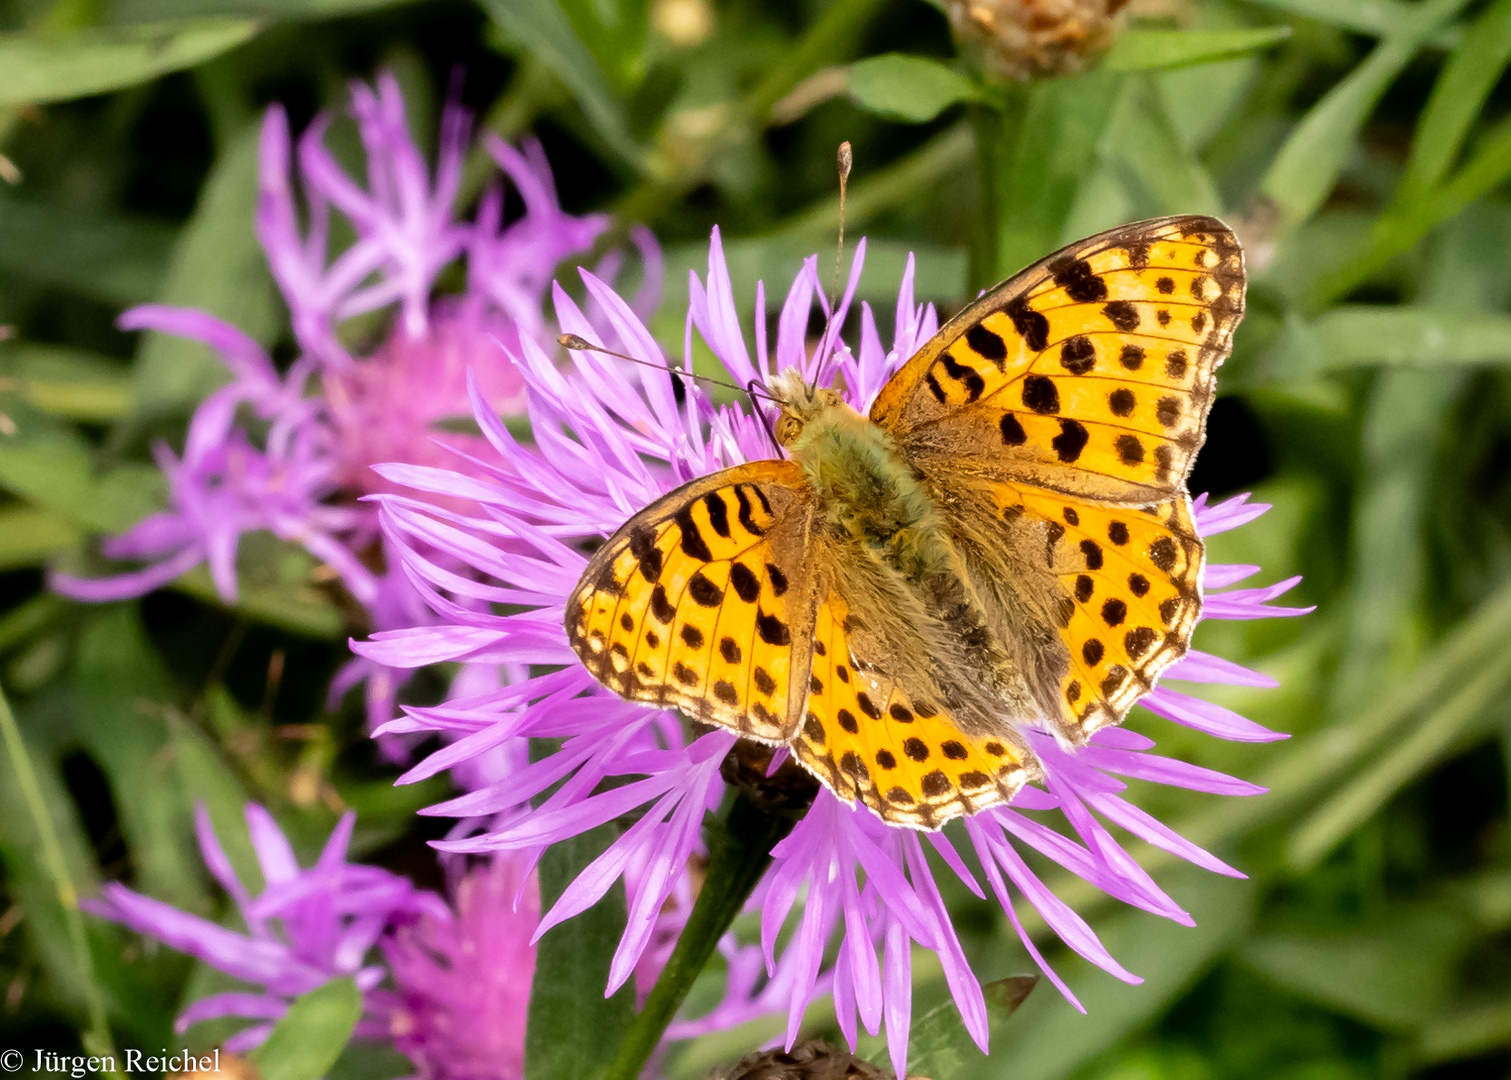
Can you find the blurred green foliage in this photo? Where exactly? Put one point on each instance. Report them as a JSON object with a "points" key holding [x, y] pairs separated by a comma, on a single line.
{"points": [[1361, 148]]}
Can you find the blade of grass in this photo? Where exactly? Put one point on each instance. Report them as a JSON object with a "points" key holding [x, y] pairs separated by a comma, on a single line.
{"points": [[1457, 97], [546, 31], [96, 1037], [46, 67], [1378, 18], [1307, 167], [1466, 712]]}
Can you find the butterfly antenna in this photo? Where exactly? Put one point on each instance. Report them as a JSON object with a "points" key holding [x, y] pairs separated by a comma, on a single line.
{"points": [[845, 159], [581, 344], [750, 389]]}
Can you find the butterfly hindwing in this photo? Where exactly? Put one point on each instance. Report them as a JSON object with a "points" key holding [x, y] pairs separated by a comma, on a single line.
{"points": [[868, 738], [701, 601], [1091, 371], [1131, 576]]}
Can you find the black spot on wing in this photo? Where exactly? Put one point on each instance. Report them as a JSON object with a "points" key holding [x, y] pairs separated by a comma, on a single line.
{"points": [[1071, 440], [773, 630], [747, 520], [1122, 315], [965, 375], [1078, 355], [1033, 326], [1040, 394], [744, 582], [661, 607], [1012, 431], [718, 513], [643, 547], [1079, 281], [986, 344], [1162, 553], [693, 544], [704, 592]]}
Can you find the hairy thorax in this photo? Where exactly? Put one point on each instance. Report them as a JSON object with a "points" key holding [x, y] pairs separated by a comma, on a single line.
{"points": [[890, 549]]}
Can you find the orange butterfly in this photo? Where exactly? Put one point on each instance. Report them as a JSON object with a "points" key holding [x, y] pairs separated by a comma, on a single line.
{"points": [[1005, 540]]}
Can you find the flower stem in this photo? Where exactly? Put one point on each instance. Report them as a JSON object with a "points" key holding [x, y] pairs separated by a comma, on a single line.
{"points": [[738, 855], [96, 1038]]}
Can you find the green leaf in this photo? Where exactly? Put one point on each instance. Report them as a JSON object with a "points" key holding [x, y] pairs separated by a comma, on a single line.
{"points": [[117, 673], [1149, 50], [1051, 1039], [1406, 410], [1473, 708], [219, 267], [1394, 974], [1457, 97], [47, 859], [127, 12], [55, 470], [43, 67], [614, 31], [312, 1034], [1378, 18], [1465, 1031], [573, 1029], [1357, 335], [107, 257], [28, 536], [545, 31], [273, 586], [1147, 153], [66, 382], [913, 89], [1307, 167], [939, 1045], [1053, 152]]}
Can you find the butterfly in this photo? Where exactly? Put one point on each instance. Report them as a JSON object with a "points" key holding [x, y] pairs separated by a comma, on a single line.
{"points": [[1005, 540]]}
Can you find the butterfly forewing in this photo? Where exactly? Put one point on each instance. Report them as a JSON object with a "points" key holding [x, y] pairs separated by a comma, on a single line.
{"points": [[1090, 372], [1072, 400], [701, 601]]}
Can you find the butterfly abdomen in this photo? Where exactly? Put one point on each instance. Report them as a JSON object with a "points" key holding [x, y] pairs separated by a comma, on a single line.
{"points": [[916, 581]]}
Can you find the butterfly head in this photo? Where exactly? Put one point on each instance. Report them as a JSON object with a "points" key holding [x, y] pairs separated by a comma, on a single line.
{"points": [[800, 403]]}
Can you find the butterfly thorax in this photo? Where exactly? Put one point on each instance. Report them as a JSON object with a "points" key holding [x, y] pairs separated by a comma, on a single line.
{"points": [[872, 504], [867, 492]]}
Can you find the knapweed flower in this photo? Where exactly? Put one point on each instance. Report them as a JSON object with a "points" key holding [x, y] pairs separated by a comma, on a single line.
{"points": [[304, 928], [462, 983], [291, 452], [608, 440], [1015, 40]]}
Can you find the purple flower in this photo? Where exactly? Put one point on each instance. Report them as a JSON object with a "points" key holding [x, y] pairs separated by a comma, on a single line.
{"points": [[463, 983], [609, 440], [305, 927], [290, 453]]}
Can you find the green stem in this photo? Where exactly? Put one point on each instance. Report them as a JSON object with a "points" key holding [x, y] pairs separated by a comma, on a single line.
{"points": [[997, 123], [96, 1038], [830, 40], [738, 856], [990, 139]]}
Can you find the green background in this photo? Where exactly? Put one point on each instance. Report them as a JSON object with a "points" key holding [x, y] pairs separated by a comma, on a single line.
{"points": [[1361, 148]]}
